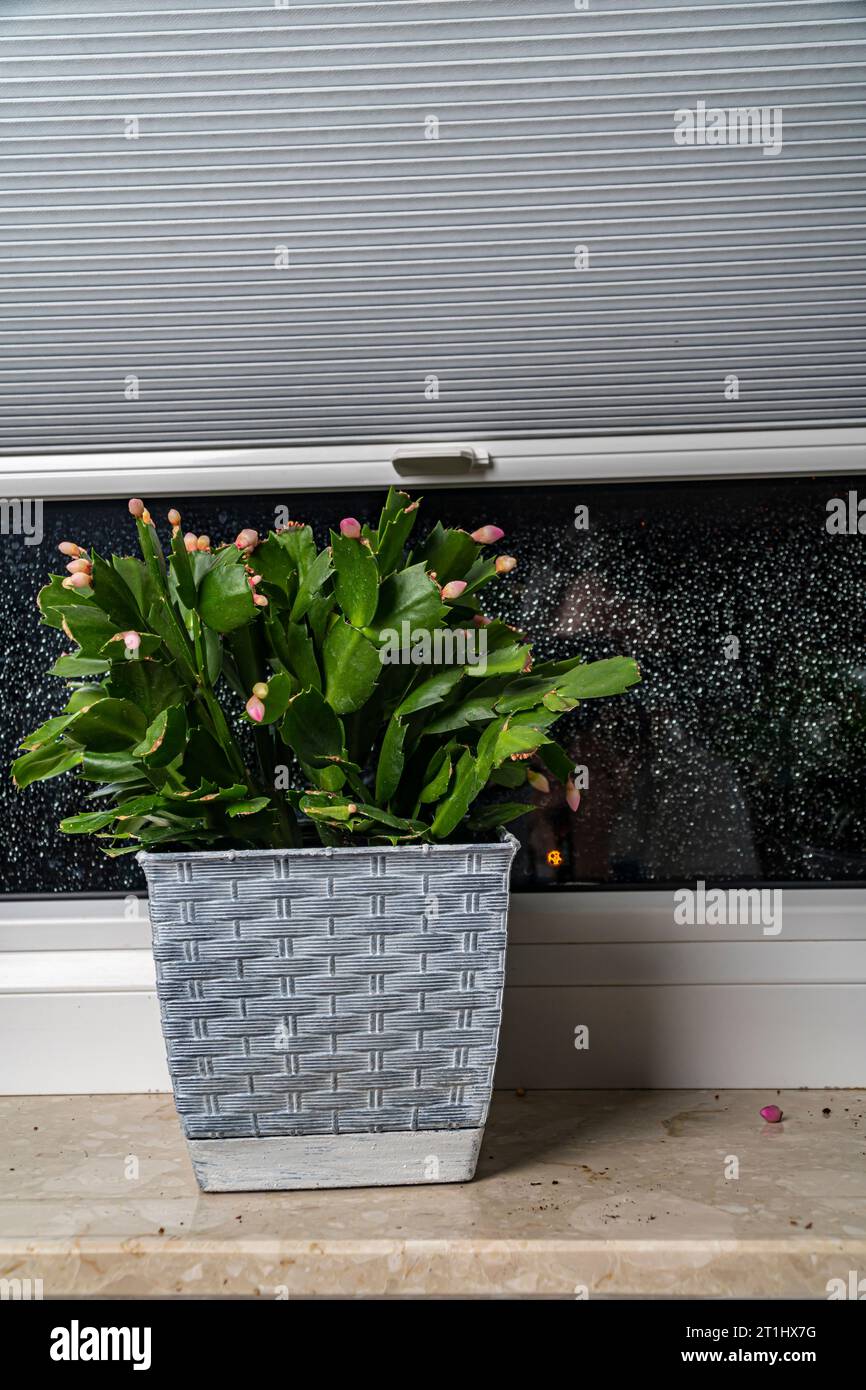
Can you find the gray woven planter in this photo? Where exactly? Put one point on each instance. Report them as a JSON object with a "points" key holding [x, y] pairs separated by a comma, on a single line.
{"points": [[331, 1016]]}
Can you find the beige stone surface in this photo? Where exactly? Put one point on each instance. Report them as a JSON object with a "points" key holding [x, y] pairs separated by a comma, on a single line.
{"points": [[577, 1194]]}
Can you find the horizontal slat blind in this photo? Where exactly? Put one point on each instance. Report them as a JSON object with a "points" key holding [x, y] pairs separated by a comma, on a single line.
{"points": [[227, 224]]}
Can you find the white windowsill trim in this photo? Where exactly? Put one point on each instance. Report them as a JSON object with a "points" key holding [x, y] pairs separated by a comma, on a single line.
{"points": [[513, 462], [666, 1005]]}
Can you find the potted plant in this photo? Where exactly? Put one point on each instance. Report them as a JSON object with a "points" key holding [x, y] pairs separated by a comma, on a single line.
{"points": [[293, 741]]}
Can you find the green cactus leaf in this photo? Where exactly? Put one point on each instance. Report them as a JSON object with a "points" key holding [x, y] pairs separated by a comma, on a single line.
{"points": [[310, 585], [50, 760], [437, 777], [312, 729], [108, 726], [225, 599], [356, 579], [499, 814], [352, 667], [165, 738], [409, 597], [450, 553], [53, 596], [454, 806], [432, 690], [391, 759]]}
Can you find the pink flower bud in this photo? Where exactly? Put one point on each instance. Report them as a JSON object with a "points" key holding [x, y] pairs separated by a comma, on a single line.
{"points": [[255, 579], [190, 541], [260, 601], [350, 528], [453, 589], [70, 548], [505, 564], [260, 689], [247, 539], [131, 641], [255, 709], [488, 535], [537, 781], [351, 809], [136, 507], [79, 567], [75, 581], [480, 621], [572, 795], [203, 543], [772, 1114], [174, 517]]}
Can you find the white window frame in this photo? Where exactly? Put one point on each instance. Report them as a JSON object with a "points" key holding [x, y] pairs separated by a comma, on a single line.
{"points": [[620, 458], [667, 1007]]}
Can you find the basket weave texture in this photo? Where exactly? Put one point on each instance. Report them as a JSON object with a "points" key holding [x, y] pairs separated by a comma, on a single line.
{"points": [[330, 991]]}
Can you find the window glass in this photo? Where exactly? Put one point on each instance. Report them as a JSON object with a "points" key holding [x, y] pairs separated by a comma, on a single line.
{"points": [[742, 756]]}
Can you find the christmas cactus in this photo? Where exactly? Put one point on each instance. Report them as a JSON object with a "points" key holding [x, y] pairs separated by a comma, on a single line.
{"points": [[381, 702]]}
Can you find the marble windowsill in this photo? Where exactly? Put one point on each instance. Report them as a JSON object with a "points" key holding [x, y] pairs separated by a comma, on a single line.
{"points": [[615, 1193]]}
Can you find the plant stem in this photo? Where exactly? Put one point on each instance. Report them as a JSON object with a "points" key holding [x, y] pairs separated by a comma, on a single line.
{"points": [[219, 724], [251, 663]]}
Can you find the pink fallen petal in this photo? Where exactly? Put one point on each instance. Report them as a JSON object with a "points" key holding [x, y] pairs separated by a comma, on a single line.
{"points": [[350, 527], [772, 1114]]}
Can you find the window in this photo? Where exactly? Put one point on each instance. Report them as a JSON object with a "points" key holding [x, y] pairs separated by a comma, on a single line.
{"points": [[741, 758]]}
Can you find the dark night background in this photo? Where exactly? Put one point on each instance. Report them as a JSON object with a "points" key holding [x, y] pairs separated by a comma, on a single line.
{"points": [[733, 770]]}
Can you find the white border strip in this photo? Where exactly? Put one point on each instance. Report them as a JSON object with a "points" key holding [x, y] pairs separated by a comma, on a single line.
{"points": [[300, 468], [612, 916]]}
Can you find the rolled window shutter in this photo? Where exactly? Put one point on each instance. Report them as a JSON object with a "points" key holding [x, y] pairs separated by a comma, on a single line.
{"points": [[277, 224]]}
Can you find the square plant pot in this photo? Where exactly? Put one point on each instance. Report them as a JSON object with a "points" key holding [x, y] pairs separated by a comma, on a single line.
{"points": [[331, 1016]]}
